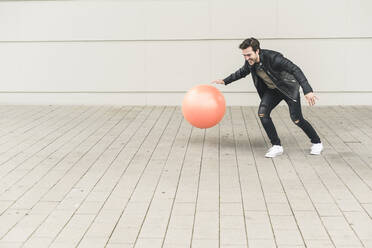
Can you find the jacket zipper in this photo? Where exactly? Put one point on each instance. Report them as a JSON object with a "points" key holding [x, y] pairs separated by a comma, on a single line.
{"points": [[272, 77]]}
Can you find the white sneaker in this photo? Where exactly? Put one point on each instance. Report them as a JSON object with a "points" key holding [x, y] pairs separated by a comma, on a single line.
{"points": [[274, 151], [316, 149]]}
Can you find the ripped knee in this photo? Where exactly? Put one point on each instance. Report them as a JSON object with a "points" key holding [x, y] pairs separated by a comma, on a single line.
{"points": [[262, 111], [297, 122], [264, 118]]}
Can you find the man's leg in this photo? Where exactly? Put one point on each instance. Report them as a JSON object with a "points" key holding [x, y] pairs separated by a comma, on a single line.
{"points": [[269, 101], [296, 116]]}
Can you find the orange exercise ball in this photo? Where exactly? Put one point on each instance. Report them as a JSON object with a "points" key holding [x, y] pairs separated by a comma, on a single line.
{"points": [[203, 106]]}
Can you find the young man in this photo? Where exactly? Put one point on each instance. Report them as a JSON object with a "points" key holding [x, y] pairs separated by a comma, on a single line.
{"points": [[276, 78]]}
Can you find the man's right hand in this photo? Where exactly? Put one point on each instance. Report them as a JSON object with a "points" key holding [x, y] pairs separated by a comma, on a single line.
{"points": [[218, 82]]}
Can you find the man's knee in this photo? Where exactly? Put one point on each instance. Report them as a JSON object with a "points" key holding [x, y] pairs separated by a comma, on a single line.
{"points": [[262, 110], [296, 120], [262, 113], [265, 118]]}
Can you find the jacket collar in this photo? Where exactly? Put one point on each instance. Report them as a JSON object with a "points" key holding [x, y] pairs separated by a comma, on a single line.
{"points": [[261, 54]]}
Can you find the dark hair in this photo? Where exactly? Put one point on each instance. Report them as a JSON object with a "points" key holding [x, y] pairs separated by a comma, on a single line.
{"points": [[251, 42]]}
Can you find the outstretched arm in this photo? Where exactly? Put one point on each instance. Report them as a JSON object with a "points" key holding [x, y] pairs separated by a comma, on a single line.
{"points": [[240, 73]]}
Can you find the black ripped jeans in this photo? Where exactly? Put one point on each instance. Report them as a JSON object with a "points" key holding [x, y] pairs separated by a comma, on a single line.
{"points": [[270, 99]]}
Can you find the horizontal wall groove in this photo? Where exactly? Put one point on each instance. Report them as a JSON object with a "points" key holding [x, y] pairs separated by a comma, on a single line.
{"points": [[153, 92], [190, 39]]}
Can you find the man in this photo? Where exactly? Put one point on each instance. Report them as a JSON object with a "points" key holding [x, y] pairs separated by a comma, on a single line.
{"points": [[276, 78]]}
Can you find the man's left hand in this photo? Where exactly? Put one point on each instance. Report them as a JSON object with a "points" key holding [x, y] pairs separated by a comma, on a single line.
{"points": [[310, 97]]}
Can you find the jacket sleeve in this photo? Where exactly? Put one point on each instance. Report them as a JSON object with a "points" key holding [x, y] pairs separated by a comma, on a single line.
{"points": [[285, 64], [240, 73]]}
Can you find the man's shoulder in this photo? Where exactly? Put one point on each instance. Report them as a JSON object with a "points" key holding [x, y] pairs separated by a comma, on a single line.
{"points": [[267, 52], [271, 55]]}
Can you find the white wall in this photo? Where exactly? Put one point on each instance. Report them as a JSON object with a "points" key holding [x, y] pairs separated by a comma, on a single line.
{"points": [[151, 52]]}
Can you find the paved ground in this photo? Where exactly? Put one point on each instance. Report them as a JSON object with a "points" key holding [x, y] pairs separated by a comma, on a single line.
{"points": [[135, 176]]}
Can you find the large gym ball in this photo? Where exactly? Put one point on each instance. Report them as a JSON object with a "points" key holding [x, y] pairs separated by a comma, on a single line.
{"points": [[203, 106]]}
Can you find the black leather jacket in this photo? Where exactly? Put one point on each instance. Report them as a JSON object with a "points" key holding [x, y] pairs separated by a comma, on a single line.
{"points": [[287, 76]]}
